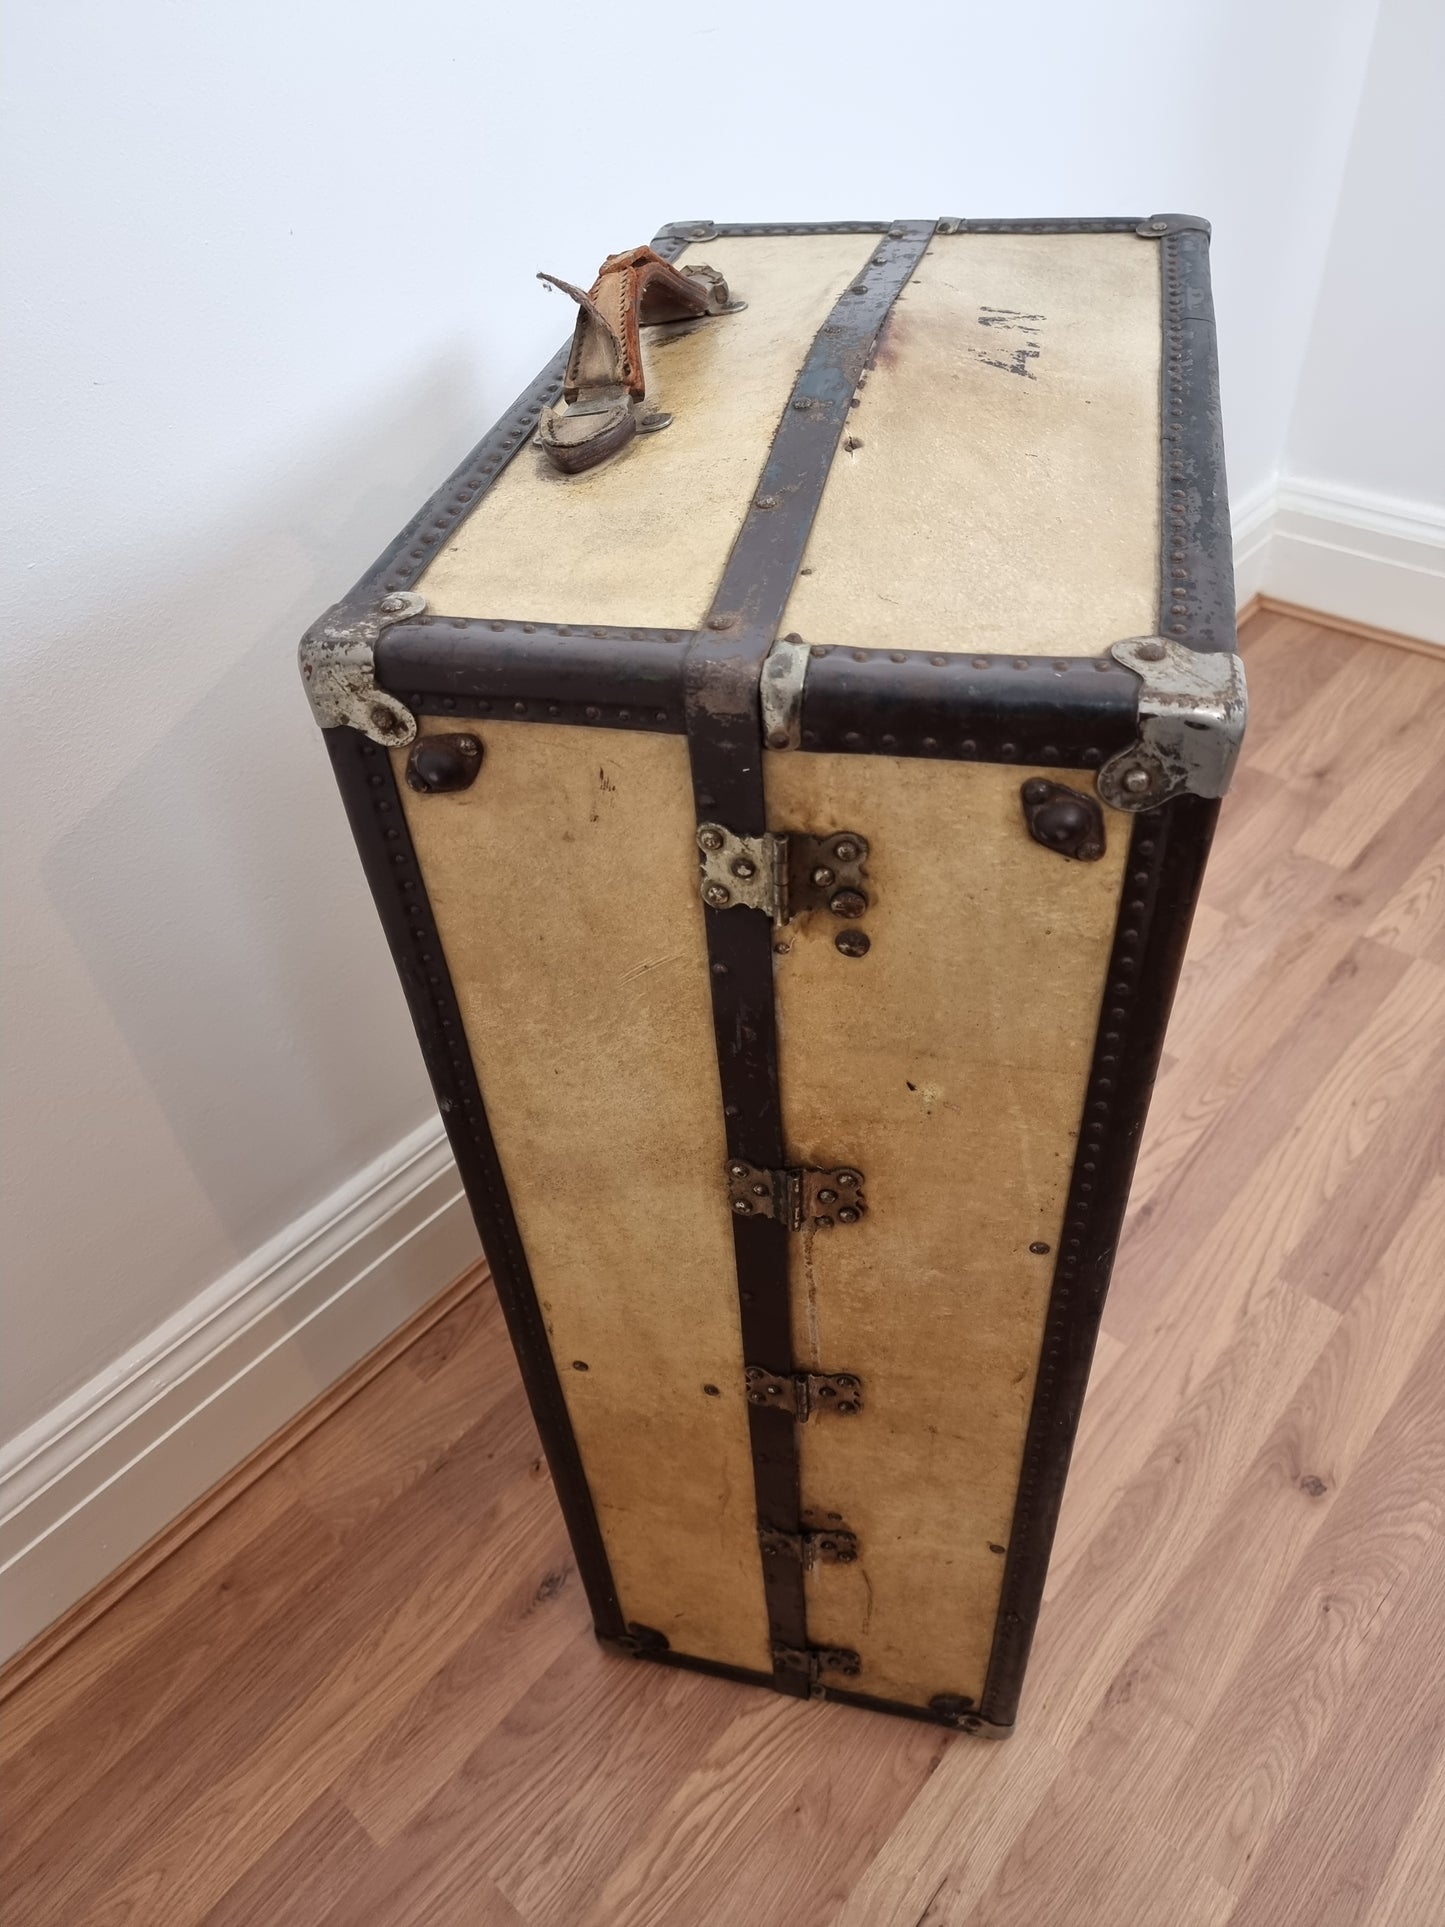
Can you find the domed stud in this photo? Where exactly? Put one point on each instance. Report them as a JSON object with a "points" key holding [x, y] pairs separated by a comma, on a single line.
{"points": [[1063, 820]]}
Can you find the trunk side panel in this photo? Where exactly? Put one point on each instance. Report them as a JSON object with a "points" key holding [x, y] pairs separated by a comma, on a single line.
{"points": [[564, 886], [950, 1065]]}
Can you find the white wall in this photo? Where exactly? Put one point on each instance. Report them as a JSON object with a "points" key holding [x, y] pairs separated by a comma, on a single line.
{"points": [[274, 277], [1360, 523]]}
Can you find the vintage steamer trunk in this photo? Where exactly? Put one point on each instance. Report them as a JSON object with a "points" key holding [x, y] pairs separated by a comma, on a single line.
{"points": [[787, 833]]}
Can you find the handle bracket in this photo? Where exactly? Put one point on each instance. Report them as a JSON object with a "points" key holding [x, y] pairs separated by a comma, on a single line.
{"points": [[606, 383]]}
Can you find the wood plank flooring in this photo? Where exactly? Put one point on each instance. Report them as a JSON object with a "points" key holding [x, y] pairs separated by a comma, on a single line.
{"points": [[366, 1694]]}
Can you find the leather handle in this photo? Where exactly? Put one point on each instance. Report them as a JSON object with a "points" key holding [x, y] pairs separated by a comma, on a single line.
{"points": [[606, 381]]}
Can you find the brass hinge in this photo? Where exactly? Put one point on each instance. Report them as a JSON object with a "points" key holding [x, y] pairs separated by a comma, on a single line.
{"points": [[799, 1196], [831, 1546], [803, 1393], [783, 872], [816, 1660]]}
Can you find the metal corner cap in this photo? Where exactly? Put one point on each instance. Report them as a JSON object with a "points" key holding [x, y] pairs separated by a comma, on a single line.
{"points": [[780, 692], [337, 659], [1158, 225], [1192, 711]]}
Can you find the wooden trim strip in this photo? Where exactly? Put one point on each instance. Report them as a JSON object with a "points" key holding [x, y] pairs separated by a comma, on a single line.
{"points": [[53, 1640]]}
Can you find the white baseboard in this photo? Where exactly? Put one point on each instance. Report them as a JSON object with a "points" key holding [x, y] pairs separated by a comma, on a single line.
{"points": [[104, 1471], [1366, 558], [1252, 521]]}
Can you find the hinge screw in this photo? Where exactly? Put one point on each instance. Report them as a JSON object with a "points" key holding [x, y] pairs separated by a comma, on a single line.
{"points": [[393, 605], [848, 903], [827, 1197], [743, 866], [1150, 652], [742, 1207], [1136, 781], [846, 850], [710, 839], [737, 1170], [823, 876], [760, 1190], [852, 943], [848, 1215], [847, 1179], [717, 894]]}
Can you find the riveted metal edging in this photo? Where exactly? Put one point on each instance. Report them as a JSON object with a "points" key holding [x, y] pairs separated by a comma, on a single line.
{"points": [[1196, 552], [373, 804], [1163, 871]]}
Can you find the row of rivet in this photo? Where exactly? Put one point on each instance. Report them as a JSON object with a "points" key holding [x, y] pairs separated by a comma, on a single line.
{"points": [[1174, 614], [969, 748], [562, 629], [733, 230], [1115, 1014], [1056, 665], [425, 704], [1103, 225]]}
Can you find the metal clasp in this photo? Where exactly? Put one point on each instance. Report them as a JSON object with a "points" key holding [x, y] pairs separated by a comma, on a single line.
{"points": [[783, 873], [803, 1393]]}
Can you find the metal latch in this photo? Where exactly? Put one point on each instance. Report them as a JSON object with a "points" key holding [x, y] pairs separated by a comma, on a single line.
{"points": [[783, 872], [803, 1393], [834, 1546], [799, 1196], [815, 1660]]}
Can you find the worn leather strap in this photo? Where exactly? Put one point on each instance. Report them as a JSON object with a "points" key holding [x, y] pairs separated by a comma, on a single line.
{"points": [[606, 383]]}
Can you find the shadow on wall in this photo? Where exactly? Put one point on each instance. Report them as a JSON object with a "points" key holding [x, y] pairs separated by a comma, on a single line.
{"points": [[213, 893]]}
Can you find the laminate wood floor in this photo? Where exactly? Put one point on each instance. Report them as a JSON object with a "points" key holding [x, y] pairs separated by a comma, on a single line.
{"points": [[366, 1695]]}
